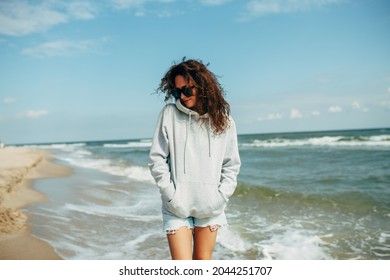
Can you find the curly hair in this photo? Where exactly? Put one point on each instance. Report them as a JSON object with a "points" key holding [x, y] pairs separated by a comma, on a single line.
{"points": [[210, 92]]}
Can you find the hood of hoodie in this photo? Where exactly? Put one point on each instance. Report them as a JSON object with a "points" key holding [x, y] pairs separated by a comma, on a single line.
{"points": [[189, 112], [195, 169]]}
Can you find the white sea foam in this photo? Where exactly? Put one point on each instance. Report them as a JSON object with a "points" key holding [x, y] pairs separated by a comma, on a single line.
{"points": [[232, 240], [335, 141], [384, 238], [138, 173], [140, 239], [110, 250], [64, 146], [130, 145], [294, 245], [126, 212]]}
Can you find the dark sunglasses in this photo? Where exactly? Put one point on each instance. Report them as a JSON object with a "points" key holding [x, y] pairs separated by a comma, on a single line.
{"points": [[187, 91]]}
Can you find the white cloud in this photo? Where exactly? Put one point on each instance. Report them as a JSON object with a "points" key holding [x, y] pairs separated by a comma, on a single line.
{"points": [[385, 104], [357, 106], [18, 18], [271, 117], [36, 114], [61, 48], [140, 13], [128, 4], [9, 100], [214, 2], [163, 13], [295, 114], [141, 7], [82, 10], [335, 109], [263, 7], [257, 8], [21, 18], [315, 113]]}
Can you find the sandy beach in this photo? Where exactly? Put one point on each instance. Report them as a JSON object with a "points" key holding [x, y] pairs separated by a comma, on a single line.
{"points": [[18, 168]]}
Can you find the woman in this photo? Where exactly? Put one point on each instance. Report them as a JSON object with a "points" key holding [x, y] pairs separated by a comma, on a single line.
{"points": [[194, 159]]}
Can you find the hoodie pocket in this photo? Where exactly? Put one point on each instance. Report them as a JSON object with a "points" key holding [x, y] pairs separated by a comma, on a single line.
{"points": [[196, 199], [168, 192]]}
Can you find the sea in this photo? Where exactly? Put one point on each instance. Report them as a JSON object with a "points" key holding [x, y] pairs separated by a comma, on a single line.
{"points": [[300, 196]]}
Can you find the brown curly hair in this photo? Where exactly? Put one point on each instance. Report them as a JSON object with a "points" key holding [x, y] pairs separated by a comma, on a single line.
{"points": [[210, 92]]}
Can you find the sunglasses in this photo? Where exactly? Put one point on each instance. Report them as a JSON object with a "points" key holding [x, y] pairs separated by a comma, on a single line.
{"points": [[187, 91]]}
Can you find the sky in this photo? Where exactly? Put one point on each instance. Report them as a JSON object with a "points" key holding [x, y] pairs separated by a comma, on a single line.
{"points": [[82, 70]]}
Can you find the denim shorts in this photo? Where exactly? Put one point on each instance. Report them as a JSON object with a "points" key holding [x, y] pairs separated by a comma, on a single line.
{"points": [[172, 223]]}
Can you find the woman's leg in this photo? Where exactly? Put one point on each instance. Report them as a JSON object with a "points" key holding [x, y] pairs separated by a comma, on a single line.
{"points": [[180, 244], [204, 242]]}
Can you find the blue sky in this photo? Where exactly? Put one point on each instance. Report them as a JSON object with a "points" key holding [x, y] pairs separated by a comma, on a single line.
{"points": [[87, 70]]}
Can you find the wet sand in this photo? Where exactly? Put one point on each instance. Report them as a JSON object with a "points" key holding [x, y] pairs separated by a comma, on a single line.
{"points": [[18, 168]]}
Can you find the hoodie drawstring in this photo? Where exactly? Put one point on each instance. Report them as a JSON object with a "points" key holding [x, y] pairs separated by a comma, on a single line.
{"points": [[187, 132], [185, 144], [188, 126], [208, 133]]}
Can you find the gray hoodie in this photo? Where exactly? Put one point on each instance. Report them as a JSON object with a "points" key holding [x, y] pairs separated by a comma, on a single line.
{"points": [[195, 170]]}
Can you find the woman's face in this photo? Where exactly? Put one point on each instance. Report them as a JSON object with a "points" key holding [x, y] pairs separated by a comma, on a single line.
{"points": [[188, 102]]}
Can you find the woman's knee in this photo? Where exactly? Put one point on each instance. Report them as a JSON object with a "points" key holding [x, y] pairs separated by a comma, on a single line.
{"points": [[204, 242]]}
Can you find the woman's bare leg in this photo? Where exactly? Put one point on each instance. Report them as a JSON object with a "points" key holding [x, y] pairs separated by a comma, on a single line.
{"points": [[180, 244], [204, 242]]}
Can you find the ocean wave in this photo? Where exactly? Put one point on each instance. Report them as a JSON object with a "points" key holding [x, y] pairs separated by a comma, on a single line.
{"points": [[85, 155], [294, 245], [344, 202], [302, 226], [334, 141], [233, 241], [126, 212], [138, 173], [67, 147], [142, 144]]}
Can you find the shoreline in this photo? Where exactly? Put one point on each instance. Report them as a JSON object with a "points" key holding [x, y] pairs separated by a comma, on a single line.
{"points": [[19, 167]]}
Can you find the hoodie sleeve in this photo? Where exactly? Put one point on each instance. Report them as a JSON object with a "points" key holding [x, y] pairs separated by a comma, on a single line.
{"points": [[159, 159], [231, 164]]}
